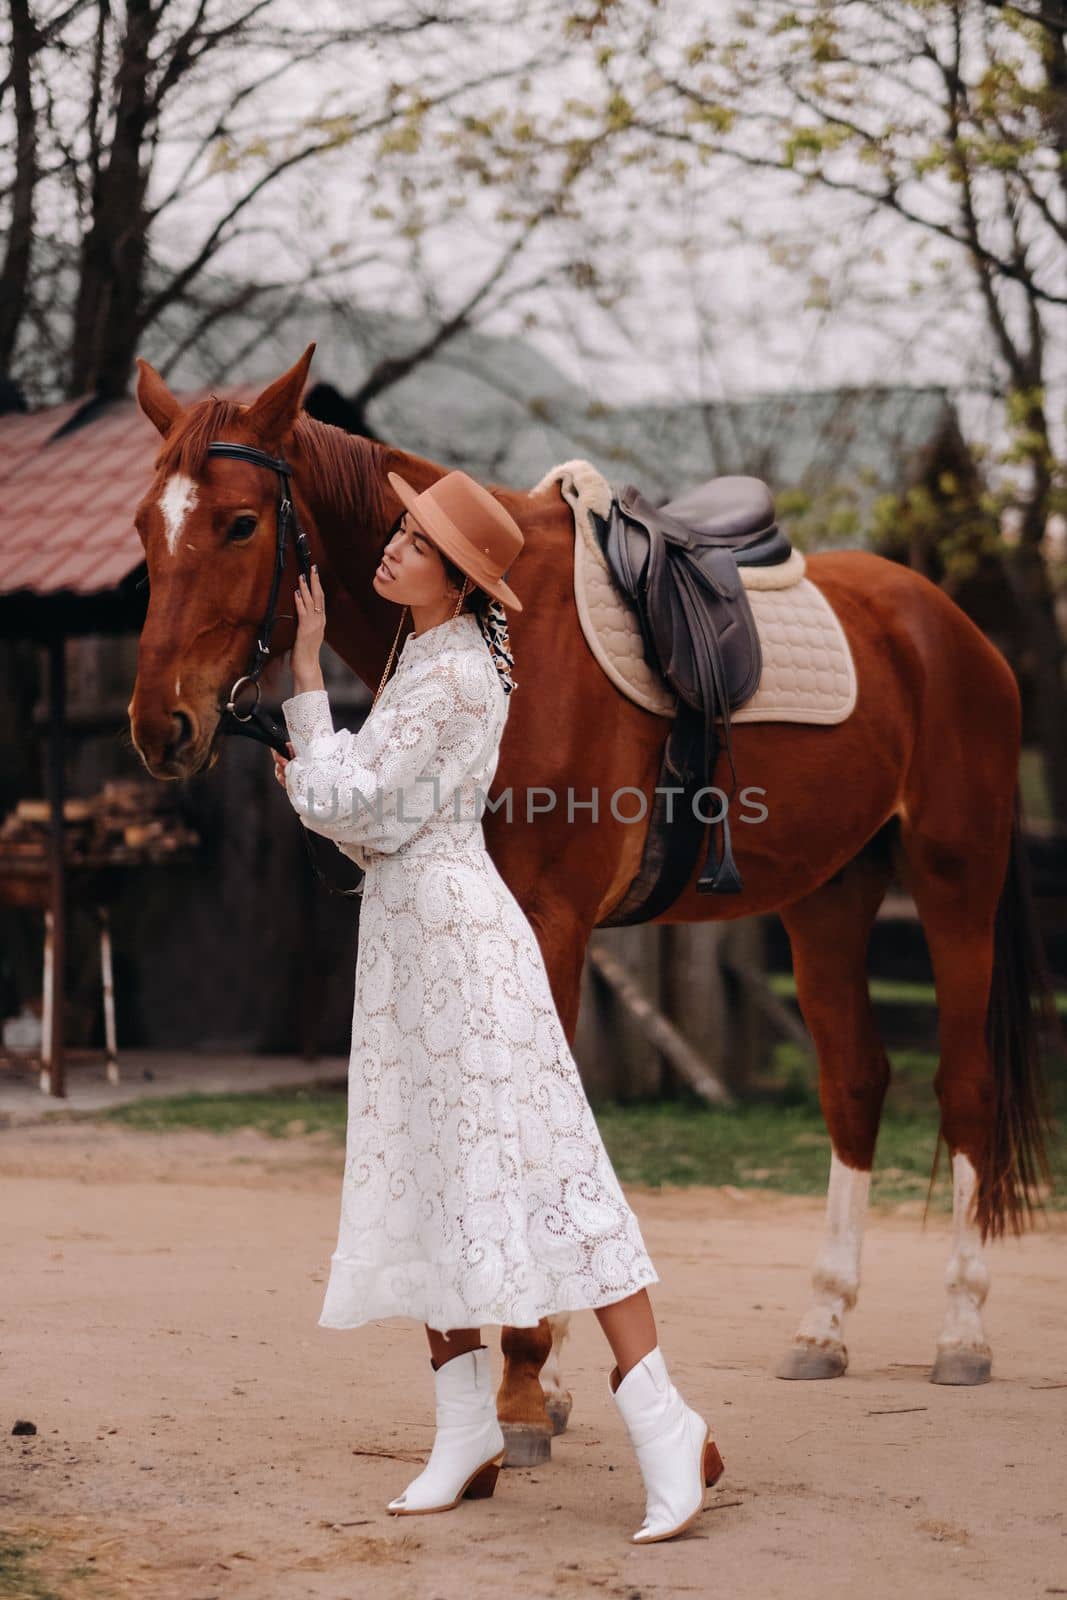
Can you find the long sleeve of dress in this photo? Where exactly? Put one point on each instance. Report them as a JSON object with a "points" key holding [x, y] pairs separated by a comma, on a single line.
{"points": [[376, 788]]}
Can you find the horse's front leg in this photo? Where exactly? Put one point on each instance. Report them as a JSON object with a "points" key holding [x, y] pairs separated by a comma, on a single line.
{"points": [[558, 1399], [529, 1412], [818, 1349]]}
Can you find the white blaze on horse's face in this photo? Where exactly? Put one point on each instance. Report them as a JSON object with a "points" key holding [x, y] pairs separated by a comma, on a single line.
{"points": [[176, 502]]}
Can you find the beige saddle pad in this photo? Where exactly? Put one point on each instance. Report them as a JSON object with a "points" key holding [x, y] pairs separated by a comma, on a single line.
{"points": [[808, 671]]}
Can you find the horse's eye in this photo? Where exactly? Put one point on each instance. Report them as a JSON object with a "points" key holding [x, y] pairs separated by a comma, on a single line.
{"points": [[242, 528]]}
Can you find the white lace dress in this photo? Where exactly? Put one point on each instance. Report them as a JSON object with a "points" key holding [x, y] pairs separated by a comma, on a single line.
{"points": [[476, 1185]]}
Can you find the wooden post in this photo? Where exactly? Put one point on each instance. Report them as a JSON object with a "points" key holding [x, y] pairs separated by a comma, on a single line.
{"points": [[693, 995], [660, 1033], [743, 957], [615, 1059], [54, 788], [107, 984]]}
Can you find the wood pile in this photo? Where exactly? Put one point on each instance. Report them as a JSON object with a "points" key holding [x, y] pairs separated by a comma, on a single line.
{"points": [[129, 822]]}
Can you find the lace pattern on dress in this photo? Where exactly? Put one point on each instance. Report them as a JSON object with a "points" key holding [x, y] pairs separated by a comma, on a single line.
{"points": [[476, 1186]]}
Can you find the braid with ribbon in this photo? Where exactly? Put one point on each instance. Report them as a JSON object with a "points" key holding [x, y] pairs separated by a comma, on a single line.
{"points": [[493, 622]]}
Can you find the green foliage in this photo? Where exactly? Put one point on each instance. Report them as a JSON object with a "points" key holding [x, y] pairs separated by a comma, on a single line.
{"points": [[933, 159], [335, 132], [721, 118], [971, 159], [618, 113], [404, 138], [801, 143], [792, 504]]}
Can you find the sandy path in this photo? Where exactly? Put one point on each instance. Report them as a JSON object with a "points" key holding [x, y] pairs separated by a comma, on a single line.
{"points": [[199, 1435]]}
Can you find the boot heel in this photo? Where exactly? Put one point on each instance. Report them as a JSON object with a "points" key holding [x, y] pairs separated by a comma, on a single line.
{"points": [[714, 1466], [483, 1483]]}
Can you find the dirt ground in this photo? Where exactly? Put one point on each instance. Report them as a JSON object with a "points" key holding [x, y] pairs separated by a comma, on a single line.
{"points": [[198, 1435]]}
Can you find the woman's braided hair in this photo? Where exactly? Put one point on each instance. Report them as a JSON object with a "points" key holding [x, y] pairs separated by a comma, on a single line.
{"points": [[492, 619]]}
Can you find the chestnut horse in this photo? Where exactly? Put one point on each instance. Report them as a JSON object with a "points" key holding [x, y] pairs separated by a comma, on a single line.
{"points": [[918, 782]]}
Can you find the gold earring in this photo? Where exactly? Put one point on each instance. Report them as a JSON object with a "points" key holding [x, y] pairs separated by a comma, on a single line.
{"points": [[462, 597]]}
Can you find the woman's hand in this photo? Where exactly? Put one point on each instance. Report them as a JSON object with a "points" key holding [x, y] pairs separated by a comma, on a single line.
{"points": [[281, 762], [310, 632]]}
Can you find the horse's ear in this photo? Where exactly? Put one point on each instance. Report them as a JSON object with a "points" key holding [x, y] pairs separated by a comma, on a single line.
{"points": [[155, 399], [273, 413]]}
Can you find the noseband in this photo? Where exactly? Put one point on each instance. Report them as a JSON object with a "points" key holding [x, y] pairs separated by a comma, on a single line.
{"points": [[257, 723]]}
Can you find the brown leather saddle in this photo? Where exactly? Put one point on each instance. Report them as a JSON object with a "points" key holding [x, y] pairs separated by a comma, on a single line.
{"points": [[678, 564]]}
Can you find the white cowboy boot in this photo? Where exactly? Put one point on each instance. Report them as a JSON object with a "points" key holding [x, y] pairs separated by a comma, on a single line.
{"points": [[468, 1447], [675, 1450]]}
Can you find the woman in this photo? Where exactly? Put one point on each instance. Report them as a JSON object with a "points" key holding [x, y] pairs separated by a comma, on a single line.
{"points": [[476, 1186]]}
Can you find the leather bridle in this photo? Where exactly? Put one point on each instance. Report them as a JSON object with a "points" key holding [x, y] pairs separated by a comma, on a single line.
{"points": [[256, 722]]}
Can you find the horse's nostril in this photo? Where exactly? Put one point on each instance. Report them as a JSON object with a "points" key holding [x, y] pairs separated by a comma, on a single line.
{"points": [[183, 732]]}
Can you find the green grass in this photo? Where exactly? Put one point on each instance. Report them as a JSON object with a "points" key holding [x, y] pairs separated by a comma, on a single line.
{"points": [[18, 1579], [781, 1146], [784, 1148], [677, 1142], [885, 991], [281, 1113]]}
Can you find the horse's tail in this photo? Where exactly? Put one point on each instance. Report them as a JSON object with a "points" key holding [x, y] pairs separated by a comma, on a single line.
{"points": [[1021, 1007]]}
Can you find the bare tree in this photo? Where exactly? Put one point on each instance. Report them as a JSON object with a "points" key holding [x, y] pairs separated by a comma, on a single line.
{"points": [[181, 120]]}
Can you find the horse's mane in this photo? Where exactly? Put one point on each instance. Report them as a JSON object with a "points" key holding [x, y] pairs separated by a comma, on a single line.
{"points": [[346, 465]]}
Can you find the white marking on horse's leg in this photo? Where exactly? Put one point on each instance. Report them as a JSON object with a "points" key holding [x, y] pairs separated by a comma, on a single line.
{"points": [[966, 1276], [836, 1274], [176, 502], [551, 1374], [557, 1396]]}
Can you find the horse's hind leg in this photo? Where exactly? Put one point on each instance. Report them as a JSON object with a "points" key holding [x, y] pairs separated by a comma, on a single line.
{"points": [[962, 850], [955, 890], [829, 932], [963, 1354]]}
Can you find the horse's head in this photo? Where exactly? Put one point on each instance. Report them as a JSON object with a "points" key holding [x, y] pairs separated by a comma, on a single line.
{"points": [[208, 526]]}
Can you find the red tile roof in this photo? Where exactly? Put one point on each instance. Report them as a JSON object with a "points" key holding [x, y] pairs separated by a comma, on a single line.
{"points": [[67, 502], [23, 433]]}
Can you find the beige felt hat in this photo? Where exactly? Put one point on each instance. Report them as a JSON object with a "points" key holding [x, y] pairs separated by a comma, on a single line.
{"points": [[470, 526]]}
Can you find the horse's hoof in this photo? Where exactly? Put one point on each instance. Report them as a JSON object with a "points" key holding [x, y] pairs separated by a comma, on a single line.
{"points": [[803, 1362], [558, 1407], [962, 1365], [525, 1445]]}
